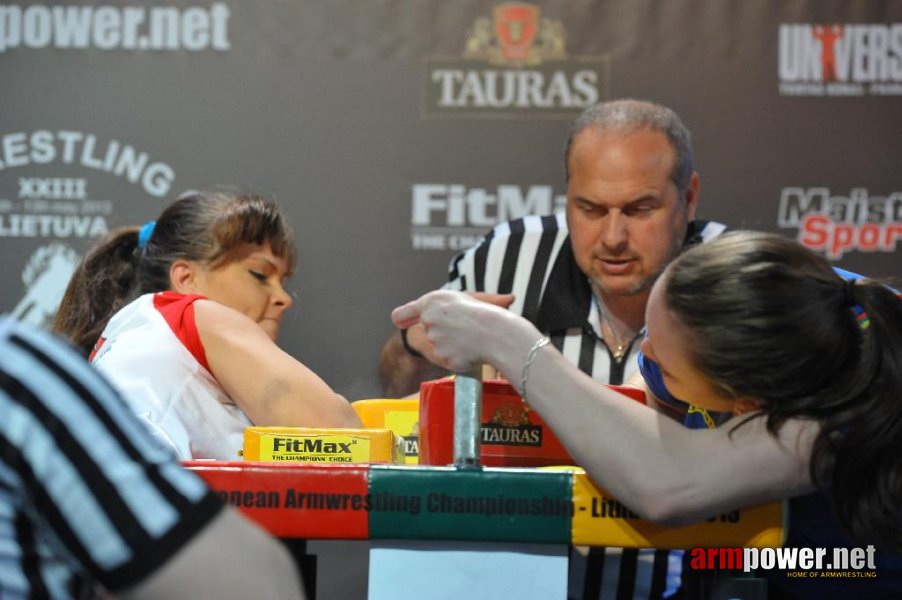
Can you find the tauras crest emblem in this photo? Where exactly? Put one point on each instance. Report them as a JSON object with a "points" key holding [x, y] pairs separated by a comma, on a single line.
{"points": [[517, 35]]}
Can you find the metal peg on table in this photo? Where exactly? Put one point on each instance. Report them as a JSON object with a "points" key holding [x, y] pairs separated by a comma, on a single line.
{"points": [[468, 417]]}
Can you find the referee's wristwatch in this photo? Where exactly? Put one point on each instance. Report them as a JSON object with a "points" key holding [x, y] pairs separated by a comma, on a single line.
{"points": [[410, 349]]}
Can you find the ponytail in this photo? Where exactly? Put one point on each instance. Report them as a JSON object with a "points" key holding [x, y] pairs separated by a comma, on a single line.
{"points": [[103, 282], [859, 450]]}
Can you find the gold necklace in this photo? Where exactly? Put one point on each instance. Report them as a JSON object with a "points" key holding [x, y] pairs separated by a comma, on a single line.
{"points": [[622, 346]]}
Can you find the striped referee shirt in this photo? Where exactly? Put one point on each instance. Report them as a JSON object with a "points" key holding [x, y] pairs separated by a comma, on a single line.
{"points": [[85, 492], [532, 258]]}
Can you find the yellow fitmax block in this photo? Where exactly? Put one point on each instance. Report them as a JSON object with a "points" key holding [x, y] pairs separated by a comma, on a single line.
{"points": [[322, 445], [600, 520]]}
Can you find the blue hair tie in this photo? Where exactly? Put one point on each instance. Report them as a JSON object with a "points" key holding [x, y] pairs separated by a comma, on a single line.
{"points": [[145, 233]]}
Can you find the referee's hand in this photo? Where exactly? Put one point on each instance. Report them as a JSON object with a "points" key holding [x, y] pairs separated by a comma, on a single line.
{"points": [[409, 317]]}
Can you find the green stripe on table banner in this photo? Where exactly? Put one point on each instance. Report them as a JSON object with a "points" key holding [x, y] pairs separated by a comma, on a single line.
{"points": [[508, 505]]}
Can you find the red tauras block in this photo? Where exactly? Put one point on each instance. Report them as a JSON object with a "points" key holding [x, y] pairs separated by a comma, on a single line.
{"points": [[296, 500], [513, 435]]}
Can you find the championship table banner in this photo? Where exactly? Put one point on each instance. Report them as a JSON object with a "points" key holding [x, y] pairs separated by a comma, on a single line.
{"points": [[549, 506]]}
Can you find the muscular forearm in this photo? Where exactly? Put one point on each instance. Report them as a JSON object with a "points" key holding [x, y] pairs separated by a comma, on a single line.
{"points": [[660, 469], [267, 383], [299, 399]]}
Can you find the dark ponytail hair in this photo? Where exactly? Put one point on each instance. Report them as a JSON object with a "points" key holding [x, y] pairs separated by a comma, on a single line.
{"points": [[199, 226], [775, 322], [102, 283]]}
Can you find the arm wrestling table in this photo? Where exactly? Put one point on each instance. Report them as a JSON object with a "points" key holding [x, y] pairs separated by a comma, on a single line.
{"points": [[464, 530]]}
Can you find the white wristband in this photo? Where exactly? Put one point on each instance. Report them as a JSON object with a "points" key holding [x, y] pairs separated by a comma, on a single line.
{"points": [[530, 358]]}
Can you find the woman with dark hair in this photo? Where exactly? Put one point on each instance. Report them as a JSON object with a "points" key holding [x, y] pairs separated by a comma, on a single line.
{"points": [[182, 316], [750, 324]]}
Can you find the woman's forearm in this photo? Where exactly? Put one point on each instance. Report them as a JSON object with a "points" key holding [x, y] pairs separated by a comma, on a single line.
{"points": [[660, 469]]}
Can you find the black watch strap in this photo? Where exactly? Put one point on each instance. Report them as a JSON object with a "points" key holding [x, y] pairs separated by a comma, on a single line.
{"points": [[410, 350]]}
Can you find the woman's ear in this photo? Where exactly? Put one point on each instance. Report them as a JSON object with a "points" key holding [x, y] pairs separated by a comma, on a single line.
{"points": [[183, 277], [745, 404]]}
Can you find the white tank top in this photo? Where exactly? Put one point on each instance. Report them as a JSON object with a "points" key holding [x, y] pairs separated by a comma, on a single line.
{"points": [[151, 352]]}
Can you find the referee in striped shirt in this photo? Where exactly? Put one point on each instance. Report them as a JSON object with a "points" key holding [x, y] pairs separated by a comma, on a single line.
{"points": [[583, 278], [88, 498]]}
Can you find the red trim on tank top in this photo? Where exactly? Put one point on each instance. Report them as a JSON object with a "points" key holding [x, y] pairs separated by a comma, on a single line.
{"points": [[178, 312], [97, 346]]}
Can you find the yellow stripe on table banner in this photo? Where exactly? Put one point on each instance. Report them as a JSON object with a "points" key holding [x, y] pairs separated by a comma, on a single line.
{"points": [[599, 519]]}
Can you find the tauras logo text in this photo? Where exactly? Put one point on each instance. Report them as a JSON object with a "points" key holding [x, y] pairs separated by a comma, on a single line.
{"points": [[524, 435], [514, 63], [520, 89]]}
